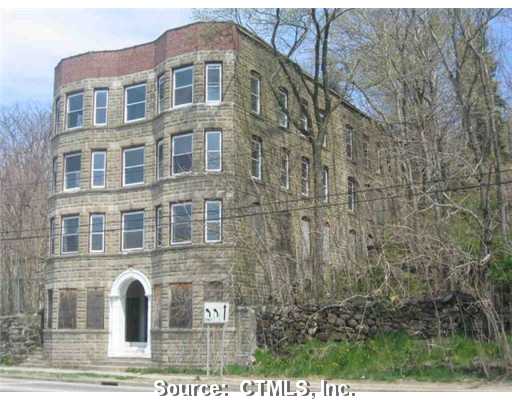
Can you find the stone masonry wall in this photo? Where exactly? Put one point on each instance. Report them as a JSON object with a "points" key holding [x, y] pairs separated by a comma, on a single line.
{"points": [[19, 335], [361, 318]]}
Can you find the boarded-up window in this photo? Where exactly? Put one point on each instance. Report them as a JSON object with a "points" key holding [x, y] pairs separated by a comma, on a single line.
{"points": [[213, 291], [157, 296], [67, 309], [95, 308], [180, 310], [50, 309]]}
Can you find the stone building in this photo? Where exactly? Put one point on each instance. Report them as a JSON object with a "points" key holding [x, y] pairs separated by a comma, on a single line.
{"points": [[170, 162]]}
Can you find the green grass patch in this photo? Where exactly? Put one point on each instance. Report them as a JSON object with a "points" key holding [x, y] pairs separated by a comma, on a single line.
{"points": [[386, 357]]}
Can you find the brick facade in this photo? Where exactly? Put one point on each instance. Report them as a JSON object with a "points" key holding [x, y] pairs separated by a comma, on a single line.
{"points": [[199, 264]]}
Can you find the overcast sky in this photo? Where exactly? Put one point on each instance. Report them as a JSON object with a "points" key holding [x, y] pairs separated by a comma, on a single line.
{"points": [[33, 41]]}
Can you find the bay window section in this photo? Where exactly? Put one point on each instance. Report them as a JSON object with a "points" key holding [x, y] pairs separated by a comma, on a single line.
{"points": [[283, 108], [325, 184], [182, 154], [97, 232], [213, 83], [181, 223], [285, 169], [133, 230], [161, 93], [213, 151], [52, 236], [183, 86], [72, 164], [135, 103], [351, 204], [213, 221], [70, 234], [75, 110], [133, 166], [98, 169], [158, 226], [100, 107]]}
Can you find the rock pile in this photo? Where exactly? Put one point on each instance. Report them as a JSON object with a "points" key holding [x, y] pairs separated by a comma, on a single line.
{"points": [[19, 335], [360, 318]]}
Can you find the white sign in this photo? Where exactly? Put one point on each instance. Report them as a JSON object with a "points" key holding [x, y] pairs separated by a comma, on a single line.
{"points": [[216, 313]]}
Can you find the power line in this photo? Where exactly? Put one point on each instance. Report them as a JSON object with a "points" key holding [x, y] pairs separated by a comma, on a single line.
{"points": [[319, 206], [301, 198]]}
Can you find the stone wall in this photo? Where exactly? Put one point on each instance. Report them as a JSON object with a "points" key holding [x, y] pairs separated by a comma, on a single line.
{"points": [[19, 335], [360, 318]]}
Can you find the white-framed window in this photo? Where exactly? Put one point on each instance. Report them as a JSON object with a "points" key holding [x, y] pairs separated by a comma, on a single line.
{"points": [[133, 166], [100, 107], [256, 157], [305, 229], [158, 226], [160, 159], [213, 83], [351, 192], [70, 234], [213, 151], [75, 110], [304, 176], [181, 154], [52, 236], [212, 221], [349, 142], [55, 172], [183, 88], [57, 116], [97, 233], [72, 164], [304, 121], [285, 169], [325, 184], [135, 102], [132, 230], [181, 223], [160, 85], [324, 121], [283, 108], [98, 169], [255, 94]]}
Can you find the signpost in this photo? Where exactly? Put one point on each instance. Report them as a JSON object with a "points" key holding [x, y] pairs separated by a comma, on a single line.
{"points": [[215, 313]]}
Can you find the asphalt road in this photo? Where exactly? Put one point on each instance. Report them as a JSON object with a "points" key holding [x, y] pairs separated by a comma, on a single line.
{"points": [[33, 385]]}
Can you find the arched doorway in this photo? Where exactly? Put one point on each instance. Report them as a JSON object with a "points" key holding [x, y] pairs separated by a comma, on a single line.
{"points": [[130, 311]]}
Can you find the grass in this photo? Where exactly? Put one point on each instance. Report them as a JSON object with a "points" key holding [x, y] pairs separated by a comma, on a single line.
{"points": [[387, 357]]}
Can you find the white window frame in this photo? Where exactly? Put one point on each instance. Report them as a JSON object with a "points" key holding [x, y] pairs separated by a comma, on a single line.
{"points": [[304, 179], [259, 159], [93, 186], [349, 142], [74, 234], [181, 135], [257, 95], [283, 109], [207, 151], [96, 108], [57, 116], [158, 226], [55, 173], [91, 233], [208, 222], [160, 167], [174, 71], [133, 230], [218, 66], [351, 205], [325, 184], [134, 166], [52, 242], [69, 97], [160, 93], [66, 189], [285, 156], [172, 222], [126, 120]]}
